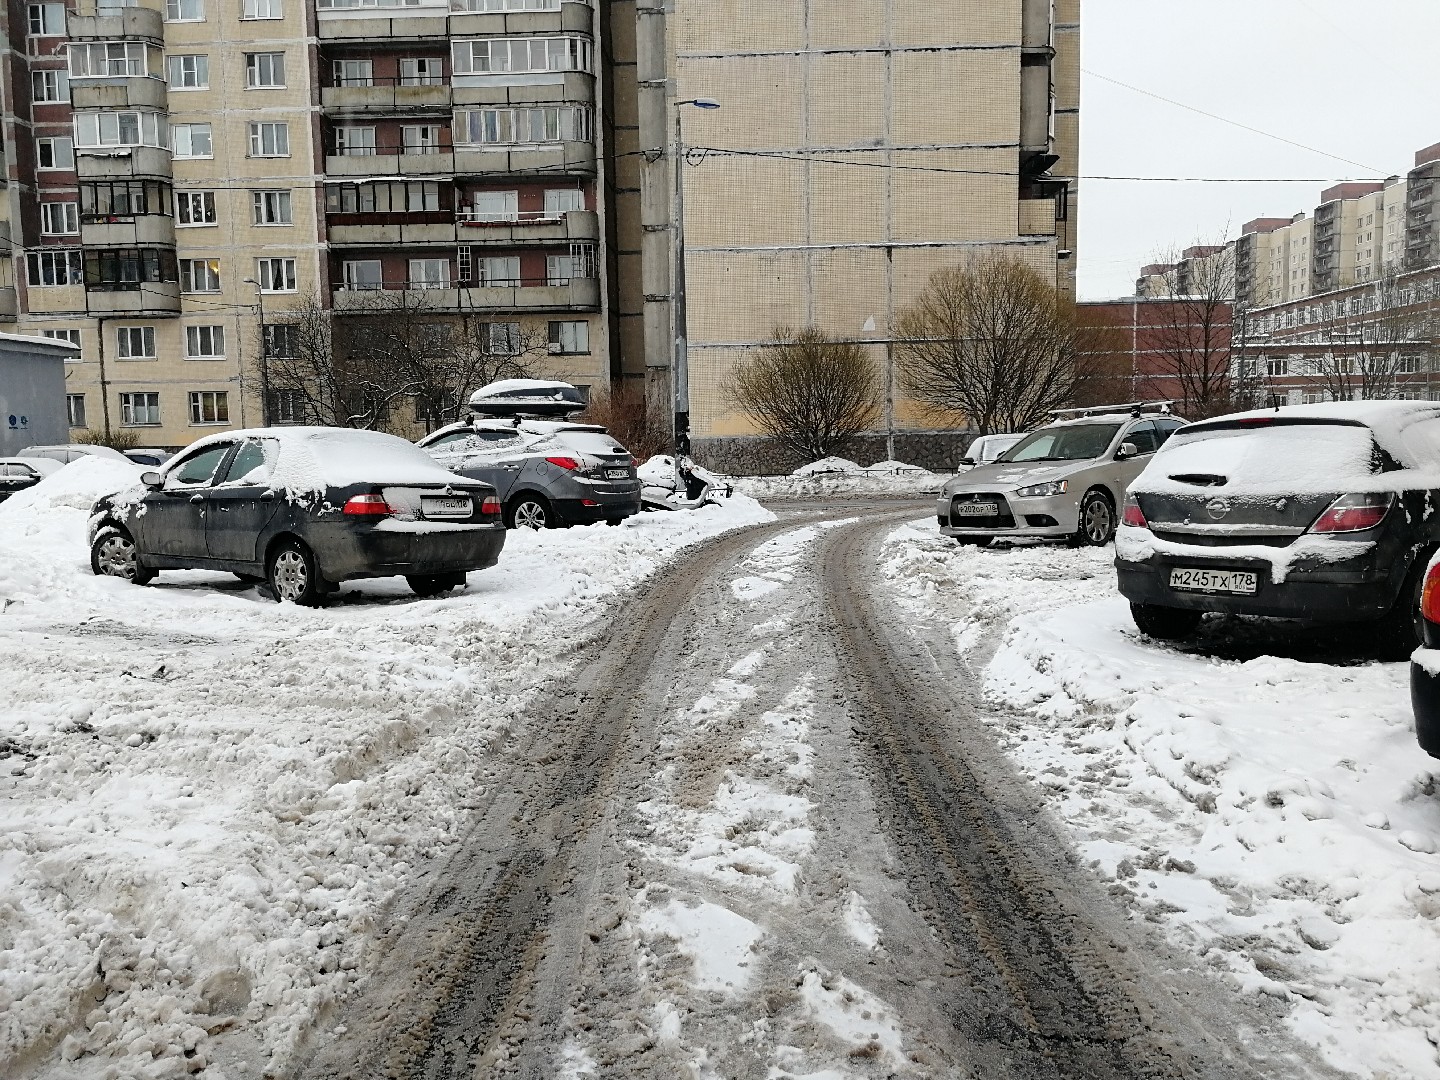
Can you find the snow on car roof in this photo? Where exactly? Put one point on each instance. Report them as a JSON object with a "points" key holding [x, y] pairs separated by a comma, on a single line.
{"points": [[39, 464], [515, 386], [1377, 415]]}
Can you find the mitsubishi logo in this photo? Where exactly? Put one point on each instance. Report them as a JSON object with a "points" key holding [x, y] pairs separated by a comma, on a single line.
{"points": [[1217, 508]]}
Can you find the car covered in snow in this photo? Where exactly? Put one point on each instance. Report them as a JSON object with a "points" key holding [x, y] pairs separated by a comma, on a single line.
{"points": [[1063, 481], [549, 471], [18, 473], [304, 509], [987, 449], [1320, 512]]}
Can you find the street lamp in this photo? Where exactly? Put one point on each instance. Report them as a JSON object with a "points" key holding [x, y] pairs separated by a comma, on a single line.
{"points": [[264, 355], [681, 363]]}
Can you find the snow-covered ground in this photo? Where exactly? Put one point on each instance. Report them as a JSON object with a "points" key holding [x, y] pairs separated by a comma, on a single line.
{"points": [[205, 797], [1273, 813], [840, 476]]}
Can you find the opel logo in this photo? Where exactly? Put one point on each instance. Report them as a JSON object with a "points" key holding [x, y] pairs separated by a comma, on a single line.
{"points": [[1217, 508]]}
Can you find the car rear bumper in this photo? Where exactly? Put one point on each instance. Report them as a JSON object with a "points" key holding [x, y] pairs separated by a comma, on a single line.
{"points": [[1050, 518], [1425, 703], [407, 548], [598, 506]]}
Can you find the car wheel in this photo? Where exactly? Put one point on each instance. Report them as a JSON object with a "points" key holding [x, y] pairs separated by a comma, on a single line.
{"points": [[113, 554], [294, 576], [1163, 623], [975, 541], [1097, 520], [531, 512], [1400, 631], [434, 584]]}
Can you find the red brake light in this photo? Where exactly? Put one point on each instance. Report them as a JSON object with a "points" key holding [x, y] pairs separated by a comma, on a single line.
{"points": [[1353, 513], [565, 463], [1133, 515], [1430, 594], [367, 506], [634, 462], [491, 505]]}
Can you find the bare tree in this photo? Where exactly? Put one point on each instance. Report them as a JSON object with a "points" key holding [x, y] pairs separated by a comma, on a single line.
{"points": [[1189, 333], [992, 340], [1373, 349], [626, 418], [809, 392], [1104, 358]]}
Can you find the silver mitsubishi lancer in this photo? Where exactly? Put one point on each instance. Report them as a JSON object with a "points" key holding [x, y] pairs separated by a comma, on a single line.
{"points": [[1064, 481]]}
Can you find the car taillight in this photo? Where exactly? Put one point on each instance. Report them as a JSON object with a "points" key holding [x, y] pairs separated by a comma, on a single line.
{"points": [[568, 463], [1353, 513], [634, 462], [367, 506], [1430, 594], [1133, 515], [491, 506]]}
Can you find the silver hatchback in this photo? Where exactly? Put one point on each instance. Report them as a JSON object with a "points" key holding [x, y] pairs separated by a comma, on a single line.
{"points": [[1064, 481]]}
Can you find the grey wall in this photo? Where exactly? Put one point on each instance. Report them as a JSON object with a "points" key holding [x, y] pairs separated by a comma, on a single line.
{"points": [[32, 398]]}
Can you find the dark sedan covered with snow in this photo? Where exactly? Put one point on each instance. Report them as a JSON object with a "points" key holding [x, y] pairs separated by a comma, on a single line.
{"points": [[302, 509]]}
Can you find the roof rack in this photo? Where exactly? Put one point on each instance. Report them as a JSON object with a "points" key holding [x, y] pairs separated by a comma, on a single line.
{"points": [[1134, 408]]}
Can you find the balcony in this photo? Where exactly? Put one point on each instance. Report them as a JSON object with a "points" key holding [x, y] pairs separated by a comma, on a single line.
{"points": [[387, 230], [570, 17], [549, 159], [575, 88], [9, 302], [399, 23], [537, 296], [119, 92], [386, 95], [130, 22], [121, 162], [383, 166], [531, 227], [55, 299], [119, 230], [152, 299]]}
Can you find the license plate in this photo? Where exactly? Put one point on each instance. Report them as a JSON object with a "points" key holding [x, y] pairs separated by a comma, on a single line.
{"points": [[974, 509], [446, 508], [617, 474], [1215, 581]]}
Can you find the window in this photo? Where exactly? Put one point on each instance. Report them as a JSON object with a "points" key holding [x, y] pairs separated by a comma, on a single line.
{"points": [[59, 218], [120, 129], [75, 410], [52, 85], [562, 269], [275, 275], [363, 274], [55, 152], [184, 10], [127, 269], [107, 59], [54, 268], [194, 208], [386, 197], [282, 340], [500, 270], [495, 205], [135, 342], [46, 20], [1277, 365], [270, 140], [354, 73], [429, 274], [192, 141], [563, 200], [420, 138], [287, 407], [353, 141], [199, 467], [544, 124], [204, 342], [191, 72], [490, 56], [261, 9], [422, 71], [503, 338], [140, 410], [122, 200], [70, 337], [271, 207], [199, 275], [265, 69], [569, 337]]}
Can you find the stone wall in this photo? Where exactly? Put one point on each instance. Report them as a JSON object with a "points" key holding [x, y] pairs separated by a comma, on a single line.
{"points": [[938, 451]]}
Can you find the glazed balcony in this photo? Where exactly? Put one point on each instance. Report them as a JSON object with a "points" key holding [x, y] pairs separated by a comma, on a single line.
{"points": [[119, 92], [388, 94], [418, 228], [121, 162], [542, 159], [118, 230], [573, 88], [535, 295], [389, 162], [147, 299], [487, 17]]}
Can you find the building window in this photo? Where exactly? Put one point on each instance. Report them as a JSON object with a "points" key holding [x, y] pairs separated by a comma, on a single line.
{"points": [[120, 129], [55, 152], [184, 10], [192, 141], [282, 341], [191, 72], [354, 141], [59, 218], [569, 337], [429, 273], [354, 73], [70, 337], [494, 56], [563, 200], [270, 140], [199, 275], [275, 275], [122, 200], [363, 274], [287, 407], [140, 410], [46, 20], [422, 71], [420, 138], [495, 206], [261, 9], [499, 270], [209, 407], [128, 269], [1277, 365], [107, 59], [545, 124], [135, 342], [54, 268], [204, 342], [271, 207], [52, 85], [384, 197], [502, 339], [195, 208], [264, 70], [75, 410], [562, 269]]}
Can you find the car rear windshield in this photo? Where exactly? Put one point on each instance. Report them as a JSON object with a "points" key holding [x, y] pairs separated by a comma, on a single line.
{"points": [[1070, 442], [1301, 458], [595, 443]]}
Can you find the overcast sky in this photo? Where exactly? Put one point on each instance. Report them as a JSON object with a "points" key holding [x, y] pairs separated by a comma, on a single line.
{"points": [[1352, 78]]}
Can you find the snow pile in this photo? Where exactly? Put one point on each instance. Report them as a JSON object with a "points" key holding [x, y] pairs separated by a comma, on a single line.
{"points": [[839, 476], [208, 797], [826, 466], [1275, 816]]}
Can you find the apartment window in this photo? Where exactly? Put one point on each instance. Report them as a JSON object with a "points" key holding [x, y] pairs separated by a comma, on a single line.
{"points": [[496, 205], [499, 270], [75, 410], [195, 208], [46, 20], [506, 5], [420, 138], [55, 152], [128, 269], [275, 275], [52, 85], [287, 407], [192, 141], [46, 268], [190, 72], [199, 275], [1277, 365], [59, 218], [184, 10], [569, 337], [422, 71], [140, 410], [271, 207], [491, 56], [135, 342], [120, 129], [562, 269], [282, 340], [563, 200], [363, 274], [70, 337], [261, 9], [354, 73], [123, 200], [429, 274], [503, 338], [266, 69], [353, 141], [545, 124], [270, 140], [385, 197], [204, 342]]}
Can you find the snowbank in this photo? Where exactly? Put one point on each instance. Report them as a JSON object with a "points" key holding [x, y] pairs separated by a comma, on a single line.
{"points": [[839, 476], [207, 797]]}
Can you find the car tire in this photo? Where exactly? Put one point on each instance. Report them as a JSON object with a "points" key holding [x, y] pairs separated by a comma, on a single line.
{"points": [[975, 541], [614, 521], [294, 575], [531, 511], [1097, 520], [1163, 623], [1398, 632], [113, 554], [434, 584]]}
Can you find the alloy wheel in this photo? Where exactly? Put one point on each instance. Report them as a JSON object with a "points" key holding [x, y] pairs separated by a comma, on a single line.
{"points": [[116, 557], [1098, 521], [530, 515], [291, 576]]}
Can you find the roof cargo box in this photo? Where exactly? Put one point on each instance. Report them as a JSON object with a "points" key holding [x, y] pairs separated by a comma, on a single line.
{"points": [[527, 397]]}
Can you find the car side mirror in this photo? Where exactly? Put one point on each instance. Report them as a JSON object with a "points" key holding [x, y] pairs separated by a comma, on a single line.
{"points": [[1127, 450], [150, 479], [967, 461]]}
